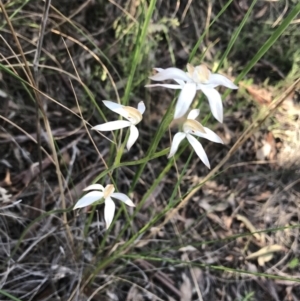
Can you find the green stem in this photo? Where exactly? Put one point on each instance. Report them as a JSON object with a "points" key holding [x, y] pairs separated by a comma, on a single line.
{"points": [[137, 52]]}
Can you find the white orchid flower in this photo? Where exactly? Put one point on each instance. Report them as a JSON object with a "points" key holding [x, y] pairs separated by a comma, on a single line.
{"points": [[107, 193], [197, 78], [133, 116], [193, 127]]}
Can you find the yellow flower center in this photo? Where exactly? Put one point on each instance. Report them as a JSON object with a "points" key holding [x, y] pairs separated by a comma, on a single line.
{"points": [[108, 190], [202, 73], [193, 126], [133, 115], [190, 69], [199, 74]]}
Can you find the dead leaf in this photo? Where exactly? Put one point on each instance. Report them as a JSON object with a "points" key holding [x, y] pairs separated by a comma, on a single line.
{"points": [[229, 258], [142, 243], [186, 289], [266, 250], [251, 267], [265, 258], [198, 275], [227, 221], [187, 249], [249, 225], [217, 220], [65, 158], [264, 152], [134, 294], [112, 295], [219, 207], [261, 12], [3, 94], [7, 180], [157, 231], [4, 196], [261, 95]]}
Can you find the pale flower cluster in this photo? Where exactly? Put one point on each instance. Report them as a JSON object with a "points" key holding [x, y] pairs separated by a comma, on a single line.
{"points": [[196, 78], [133, 116], [98, 192]]}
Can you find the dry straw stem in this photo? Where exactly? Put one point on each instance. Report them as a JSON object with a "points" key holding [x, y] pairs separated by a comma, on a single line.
{"points": [[44, 116], [27, 135], [76, 12], [84, 123], [124, 11], [252, 128], [79, 110], [36, 76], [87, 49], [40, 42], [49, 97]]}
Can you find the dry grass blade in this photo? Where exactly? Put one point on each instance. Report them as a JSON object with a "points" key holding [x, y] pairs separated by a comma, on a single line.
{"points": [[87, 49], [45, 119], [36, 76]]}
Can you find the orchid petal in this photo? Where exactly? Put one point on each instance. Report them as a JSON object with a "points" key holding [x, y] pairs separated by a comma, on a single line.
{"points": [[170, 86], [88, 199], [215, 102], [170, 73], [180, 82], [198, 148], [175, 143], [134, 134], [209, 135], [193, 114], [141, 107], [94, 187], [109, 211], [185, 99], [112, 125], [124, 198], [221, 80], [115, 107]]}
